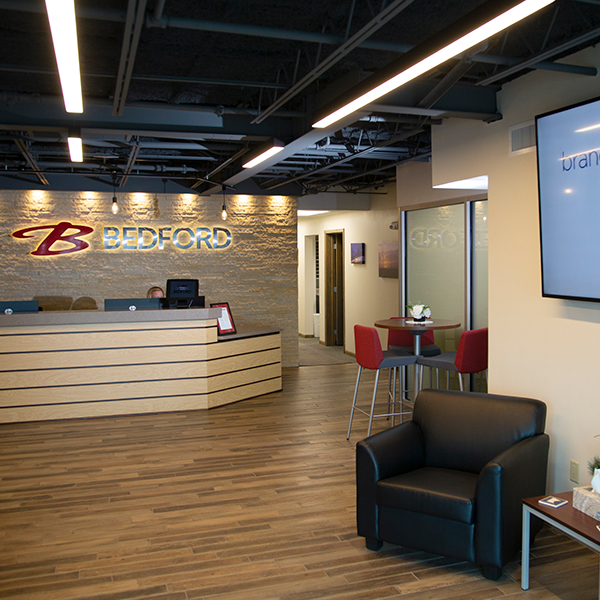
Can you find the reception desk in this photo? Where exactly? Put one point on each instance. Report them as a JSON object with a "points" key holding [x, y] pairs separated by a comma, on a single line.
{"points": [[62, 365]]}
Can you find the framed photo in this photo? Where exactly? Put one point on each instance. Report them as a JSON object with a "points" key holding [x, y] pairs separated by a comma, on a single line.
{"points": [[357, 254], [225, 321], [388, 259]]}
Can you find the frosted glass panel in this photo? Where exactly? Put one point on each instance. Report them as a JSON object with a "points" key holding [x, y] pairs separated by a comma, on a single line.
{"points": [[436, 265], [480, 264]]}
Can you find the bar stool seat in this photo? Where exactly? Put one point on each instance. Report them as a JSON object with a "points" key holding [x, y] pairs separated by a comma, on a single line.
{"points": [[471, 355], [369, 355]]}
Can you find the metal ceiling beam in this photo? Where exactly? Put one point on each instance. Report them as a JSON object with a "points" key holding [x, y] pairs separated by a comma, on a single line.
{"points": [[530, 63], [136, 10], [374, 171], [31, 161], [133, 153], [351, 157], [304, 141], [452, 77], [356, 40], [119, 16]]}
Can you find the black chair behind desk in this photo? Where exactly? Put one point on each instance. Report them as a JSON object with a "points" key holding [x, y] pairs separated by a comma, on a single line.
{"points": [[451, 481]]}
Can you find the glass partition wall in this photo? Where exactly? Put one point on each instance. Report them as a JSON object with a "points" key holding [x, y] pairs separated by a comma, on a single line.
{"points": [[445, 266]]}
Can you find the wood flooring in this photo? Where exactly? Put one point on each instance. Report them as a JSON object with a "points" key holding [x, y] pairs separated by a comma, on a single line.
{"points": [[251, 501]]}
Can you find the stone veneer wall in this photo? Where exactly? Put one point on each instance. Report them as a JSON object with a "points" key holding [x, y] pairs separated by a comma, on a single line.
{"points": [[256, 273]]}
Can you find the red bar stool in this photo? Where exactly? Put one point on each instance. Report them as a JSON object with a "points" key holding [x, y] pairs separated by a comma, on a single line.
{"points": [[471, 355], [369, 355]]}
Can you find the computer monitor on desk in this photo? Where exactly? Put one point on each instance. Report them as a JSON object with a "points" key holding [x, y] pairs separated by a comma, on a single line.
{"points": [[182, 293], [18, 306], [132, 304]]}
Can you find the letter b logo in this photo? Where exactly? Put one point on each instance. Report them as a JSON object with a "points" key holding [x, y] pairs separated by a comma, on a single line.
{"points": [[58, 233]]}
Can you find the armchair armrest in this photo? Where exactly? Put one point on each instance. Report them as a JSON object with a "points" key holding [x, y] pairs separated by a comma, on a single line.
{"points": [[391, 452], [517, 473]]}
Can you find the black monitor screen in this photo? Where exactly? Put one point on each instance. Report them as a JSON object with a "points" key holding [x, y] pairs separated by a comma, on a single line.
{"points": [[182, 288], [19, 306], [568, 149], [132, 304]]}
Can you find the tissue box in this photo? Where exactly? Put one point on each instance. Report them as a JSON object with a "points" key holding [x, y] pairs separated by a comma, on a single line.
{"points": [[587, 501]]}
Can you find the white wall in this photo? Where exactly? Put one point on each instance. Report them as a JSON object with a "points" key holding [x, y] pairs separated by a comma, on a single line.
{"points": [[539, 347], [368, 297]]}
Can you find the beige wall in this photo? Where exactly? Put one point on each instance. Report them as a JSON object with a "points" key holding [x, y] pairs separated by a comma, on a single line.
{"points": [[256, 274], [368, 297], [413, 182], [539, 347]]}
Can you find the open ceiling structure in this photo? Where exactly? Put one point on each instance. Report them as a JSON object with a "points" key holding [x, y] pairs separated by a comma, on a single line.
{"points": [[181, 93]]}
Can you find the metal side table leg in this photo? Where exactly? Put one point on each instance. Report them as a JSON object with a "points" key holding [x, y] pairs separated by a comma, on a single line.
{"points": [[525, 549]]}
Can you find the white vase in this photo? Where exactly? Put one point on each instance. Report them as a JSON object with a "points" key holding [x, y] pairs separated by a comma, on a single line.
{"points": [[596, 481]]}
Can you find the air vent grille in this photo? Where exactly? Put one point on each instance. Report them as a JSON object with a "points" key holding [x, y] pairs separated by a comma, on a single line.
{"points": [[522, 138]]}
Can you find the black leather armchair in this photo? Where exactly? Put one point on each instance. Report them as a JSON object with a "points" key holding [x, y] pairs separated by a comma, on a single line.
{"points": [[451, 480]]}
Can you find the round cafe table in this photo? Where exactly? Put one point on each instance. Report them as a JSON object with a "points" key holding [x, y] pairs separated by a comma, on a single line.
{"points": [[417, 329]]}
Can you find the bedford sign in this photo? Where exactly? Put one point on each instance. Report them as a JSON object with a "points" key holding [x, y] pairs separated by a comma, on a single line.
{"points": [[66, 238]]}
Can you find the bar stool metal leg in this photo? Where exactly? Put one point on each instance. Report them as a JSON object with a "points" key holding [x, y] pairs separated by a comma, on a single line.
{"points": [[354, 401], [373, 403]]}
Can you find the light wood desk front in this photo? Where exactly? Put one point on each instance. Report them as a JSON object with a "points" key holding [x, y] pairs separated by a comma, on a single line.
{"points": [[60, 365]]}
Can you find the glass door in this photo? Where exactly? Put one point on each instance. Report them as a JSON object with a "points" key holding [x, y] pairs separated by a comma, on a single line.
{"points": [[446, 267], [435, 266]]}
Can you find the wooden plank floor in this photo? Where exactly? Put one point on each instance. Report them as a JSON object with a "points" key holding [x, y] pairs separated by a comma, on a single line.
{"points": [[252, 501]]}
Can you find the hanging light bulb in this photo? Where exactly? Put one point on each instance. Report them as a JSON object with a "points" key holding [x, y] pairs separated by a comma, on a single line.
{"points": [[224, 210], [115, 206]]}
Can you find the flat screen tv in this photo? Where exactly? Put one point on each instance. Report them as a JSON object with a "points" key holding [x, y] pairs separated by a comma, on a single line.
{"points": [[568, 159]]}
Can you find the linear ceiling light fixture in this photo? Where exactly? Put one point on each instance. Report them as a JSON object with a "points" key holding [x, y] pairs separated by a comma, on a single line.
{"points": [[474, 37], [264, 152], [75, 145], [61, 16]]}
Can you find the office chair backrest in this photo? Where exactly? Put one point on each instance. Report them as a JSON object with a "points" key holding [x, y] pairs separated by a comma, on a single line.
{"points": [[367, 347], [465, 430], [472, 352]]}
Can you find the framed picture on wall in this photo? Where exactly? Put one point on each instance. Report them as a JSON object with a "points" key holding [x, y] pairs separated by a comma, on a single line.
{"points": [[225, 321], [388, 259], [357, 254]]}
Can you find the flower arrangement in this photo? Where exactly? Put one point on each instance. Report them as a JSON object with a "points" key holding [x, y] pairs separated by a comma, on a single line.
{"points": [[419, 311]]}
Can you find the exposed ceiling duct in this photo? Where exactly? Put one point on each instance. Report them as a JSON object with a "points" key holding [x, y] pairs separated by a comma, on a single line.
{"points": [[187, 91]]}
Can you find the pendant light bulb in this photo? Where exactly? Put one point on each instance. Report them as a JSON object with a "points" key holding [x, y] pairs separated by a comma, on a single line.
{"points": [[115, 206], [224, 209]]}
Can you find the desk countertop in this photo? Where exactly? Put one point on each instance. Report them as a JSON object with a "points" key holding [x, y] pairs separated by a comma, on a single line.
{"points": [[84, 317]]}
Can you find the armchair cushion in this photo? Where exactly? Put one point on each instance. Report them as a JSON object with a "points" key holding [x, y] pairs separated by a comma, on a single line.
{"points": [[436, 492]]}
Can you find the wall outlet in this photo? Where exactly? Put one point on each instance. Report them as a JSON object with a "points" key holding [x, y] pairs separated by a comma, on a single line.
{"points": [[574, 471]]}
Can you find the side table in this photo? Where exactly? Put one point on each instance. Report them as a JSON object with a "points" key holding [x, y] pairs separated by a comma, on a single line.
{"points": [[572, 522]]}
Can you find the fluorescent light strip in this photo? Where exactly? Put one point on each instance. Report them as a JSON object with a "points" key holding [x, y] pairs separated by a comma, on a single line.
{"points": [[61, 16], [497, 24], [262, 157], [75, 149]]}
